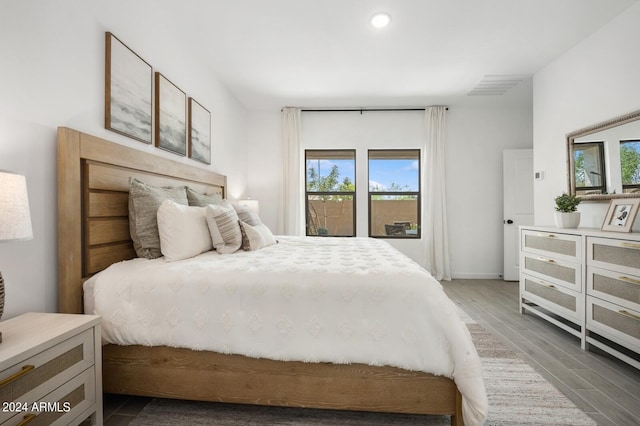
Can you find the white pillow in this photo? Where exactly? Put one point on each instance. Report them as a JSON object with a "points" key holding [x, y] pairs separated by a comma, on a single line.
{"points": [[183, 231], [255, 237], [223, 222]]}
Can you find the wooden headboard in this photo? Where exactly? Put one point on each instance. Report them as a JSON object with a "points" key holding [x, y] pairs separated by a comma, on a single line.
{"points": [[93, 187]]}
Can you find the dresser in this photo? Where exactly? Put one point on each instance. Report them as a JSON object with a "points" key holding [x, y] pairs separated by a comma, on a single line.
{"points": [[51, 370], [586, 282]]}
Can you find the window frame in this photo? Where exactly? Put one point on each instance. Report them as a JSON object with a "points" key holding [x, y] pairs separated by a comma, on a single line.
{"points": [[632, 186], [603, 180], [329, 193], [418, 194]]}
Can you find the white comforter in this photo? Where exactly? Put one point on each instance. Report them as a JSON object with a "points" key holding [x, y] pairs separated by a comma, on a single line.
{"points": [[340, 300]]}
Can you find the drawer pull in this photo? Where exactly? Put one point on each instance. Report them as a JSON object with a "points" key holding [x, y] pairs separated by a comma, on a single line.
{"points": [[551, 286], [631, 245], [27, 419], [544, 259], [629, 314], [629, 280], [25, 370], [542, 234]]}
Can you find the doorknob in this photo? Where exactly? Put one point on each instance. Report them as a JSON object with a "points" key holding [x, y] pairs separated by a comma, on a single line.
{"points": [[508, 221]]}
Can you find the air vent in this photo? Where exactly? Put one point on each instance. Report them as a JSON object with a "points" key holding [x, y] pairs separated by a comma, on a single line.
{"points": [[496, 85]]}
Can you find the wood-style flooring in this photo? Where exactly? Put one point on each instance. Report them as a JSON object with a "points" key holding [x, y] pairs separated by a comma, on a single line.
{"points": [[605, 388], [602, 386]]}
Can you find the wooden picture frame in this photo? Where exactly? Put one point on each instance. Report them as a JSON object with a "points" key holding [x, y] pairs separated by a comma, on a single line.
{"points": [[170, 116], [128, 91], [199, 132], [621, 214]]}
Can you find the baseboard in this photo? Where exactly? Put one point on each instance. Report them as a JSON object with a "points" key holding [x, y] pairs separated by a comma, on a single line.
{"points": [[475, 276]]}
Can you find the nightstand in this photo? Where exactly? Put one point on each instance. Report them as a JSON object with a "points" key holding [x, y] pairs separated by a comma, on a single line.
{"points": [[51, 369]]}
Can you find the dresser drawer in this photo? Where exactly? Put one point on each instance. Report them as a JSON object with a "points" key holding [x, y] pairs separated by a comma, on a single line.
{"points": [[33, 378], [613, 254], [556, 245], [615, 287], [552, 297], [66, 405], [621, 325], [560, 272]]}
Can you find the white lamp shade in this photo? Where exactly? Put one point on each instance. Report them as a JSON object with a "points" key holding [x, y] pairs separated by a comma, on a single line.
{"points": [[15, 217], [252, 204]]}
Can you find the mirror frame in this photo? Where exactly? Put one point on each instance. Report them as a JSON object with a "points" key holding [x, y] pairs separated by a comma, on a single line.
{"points": [[571, 137]]}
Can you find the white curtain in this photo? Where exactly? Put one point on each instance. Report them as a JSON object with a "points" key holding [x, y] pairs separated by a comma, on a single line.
{"points": [[435, 231], [291, 221]]}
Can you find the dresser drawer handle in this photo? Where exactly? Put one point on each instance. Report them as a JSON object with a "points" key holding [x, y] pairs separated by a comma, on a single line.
{"points": [[541, 234], [551, 286], [27, 419], [629, 280], [629, 314], [25, 370], [631, 245], [544, 259]]}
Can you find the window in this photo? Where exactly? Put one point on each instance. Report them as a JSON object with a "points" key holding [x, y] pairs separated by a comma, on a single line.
{"points": [[394, 193], [630, 165], [589, 168], [330, 196]]}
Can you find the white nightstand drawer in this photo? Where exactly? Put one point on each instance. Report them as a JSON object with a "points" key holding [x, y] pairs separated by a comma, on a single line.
{"points": [[33, 378], [552, 244], [613, 254], [614, 322], [560, 272], [67, 405]]}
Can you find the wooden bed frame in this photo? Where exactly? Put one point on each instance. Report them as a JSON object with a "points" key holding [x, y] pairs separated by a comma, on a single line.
{"points": [[93, 233]]}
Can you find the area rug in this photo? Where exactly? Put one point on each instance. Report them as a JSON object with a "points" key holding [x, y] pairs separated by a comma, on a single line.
{"points": [[517, 396]]}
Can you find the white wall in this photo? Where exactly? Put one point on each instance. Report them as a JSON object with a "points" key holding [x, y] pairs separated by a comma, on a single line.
{"points": [[477, 133], [595, 81], [52, 75]]}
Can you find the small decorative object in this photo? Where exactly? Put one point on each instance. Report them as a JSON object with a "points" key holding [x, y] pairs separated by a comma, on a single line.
{"points": [[566, 214], [171, 116], [199, 132], [15, 216], [621, 214], [128, 91]]}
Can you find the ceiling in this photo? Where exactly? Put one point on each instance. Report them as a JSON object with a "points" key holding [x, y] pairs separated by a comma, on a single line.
{"points": [[324, 53]]}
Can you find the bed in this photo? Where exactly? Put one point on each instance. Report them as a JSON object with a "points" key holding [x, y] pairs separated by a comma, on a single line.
{"points": [[93, 229]]}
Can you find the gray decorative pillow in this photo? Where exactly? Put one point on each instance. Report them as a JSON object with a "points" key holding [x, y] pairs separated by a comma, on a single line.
{"points": [[202, 200], [224, 219], [247, 215], [144, 202]]}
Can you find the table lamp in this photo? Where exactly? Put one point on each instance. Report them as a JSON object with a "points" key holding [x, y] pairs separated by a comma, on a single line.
{"points": [[15, 218], [250, 203]]}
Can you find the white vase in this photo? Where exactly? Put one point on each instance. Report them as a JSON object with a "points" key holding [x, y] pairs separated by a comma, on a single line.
{"points": [[567, 219]]}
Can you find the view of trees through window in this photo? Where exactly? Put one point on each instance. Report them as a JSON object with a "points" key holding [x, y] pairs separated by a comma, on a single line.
{"points": [[630, 165], [330, 192], [589, 167]]}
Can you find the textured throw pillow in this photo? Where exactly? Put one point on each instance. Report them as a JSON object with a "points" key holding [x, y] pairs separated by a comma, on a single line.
{"points": [[224, 219], [183, 231], [202, 200], [144, 202], [255, 237], [247, 215]]}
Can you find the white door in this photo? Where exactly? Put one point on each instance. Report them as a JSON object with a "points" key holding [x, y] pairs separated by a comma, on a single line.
{"points": [[518, 205]]}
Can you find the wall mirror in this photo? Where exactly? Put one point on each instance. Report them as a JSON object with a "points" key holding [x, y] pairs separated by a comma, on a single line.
{"points": [[604, 159]]}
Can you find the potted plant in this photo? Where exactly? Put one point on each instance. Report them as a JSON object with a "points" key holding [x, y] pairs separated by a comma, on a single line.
{"points": [[567, 215]]}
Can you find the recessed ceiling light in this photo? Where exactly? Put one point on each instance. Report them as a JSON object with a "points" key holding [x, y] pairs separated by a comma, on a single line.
{"points": [[380, 20]]}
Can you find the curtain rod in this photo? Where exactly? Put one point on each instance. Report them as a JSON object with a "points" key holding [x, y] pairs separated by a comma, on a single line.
{"points": [[361, 110]]}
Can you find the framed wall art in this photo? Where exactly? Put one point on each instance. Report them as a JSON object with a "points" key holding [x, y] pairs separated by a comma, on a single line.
{"points": [[171, 116], [621, 214], [128, 91], [199, 132]]}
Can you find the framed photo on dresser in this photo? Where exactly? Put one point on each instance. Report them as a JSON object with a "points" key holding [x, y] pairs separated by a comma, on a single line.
{"points": [[621, 214]]}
